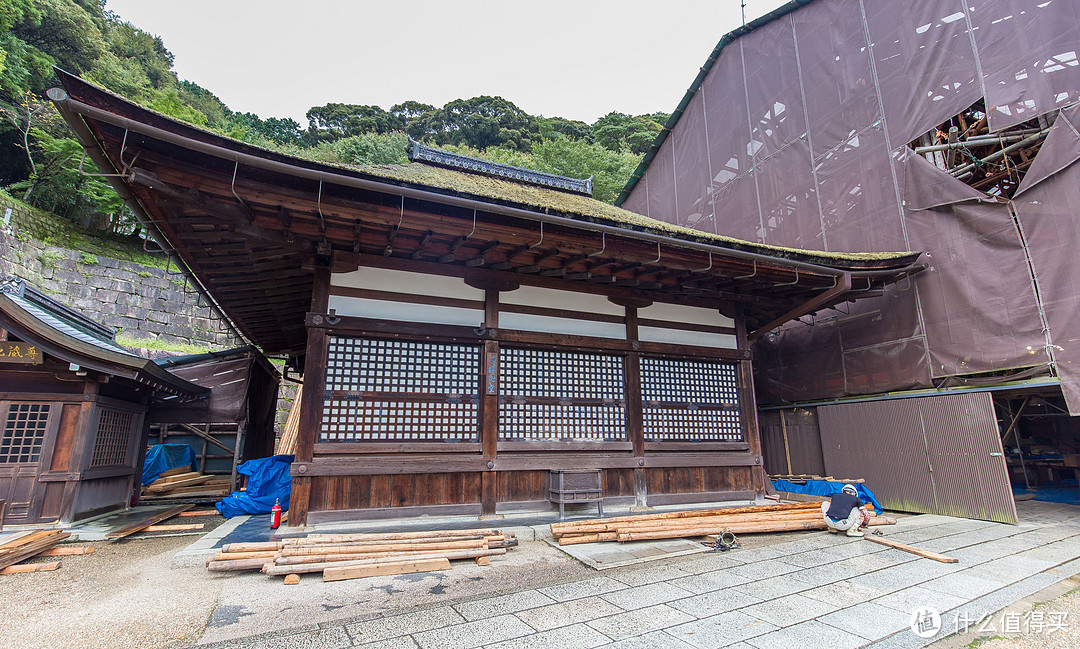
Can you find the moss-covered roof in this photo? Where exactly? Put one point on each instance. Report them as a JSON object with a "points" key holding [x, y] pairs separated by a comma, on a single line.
{"points": [[422, 175], [553, 201]]}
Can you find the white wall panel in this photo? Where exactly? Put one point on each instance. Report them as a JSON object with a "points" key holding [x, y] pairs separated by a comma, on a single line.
{"points": [[685, 314], [548, 324], [681, 337], [555, 299], [405, 311], [399, 281]]}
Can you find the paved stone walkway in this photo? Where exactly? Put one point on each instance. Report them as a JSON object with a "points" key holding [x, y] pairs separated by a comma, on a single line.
{"points": [[822, 591]]}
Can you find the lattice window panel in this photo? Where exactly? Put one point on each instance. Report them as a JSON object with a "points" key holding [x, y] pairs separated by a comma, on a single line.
{"points": [[365, 420], [392, 390], [560, 396], [24, 432], [373, 365], [554, 422], [113, 438], [560, 375], [690, 401]]}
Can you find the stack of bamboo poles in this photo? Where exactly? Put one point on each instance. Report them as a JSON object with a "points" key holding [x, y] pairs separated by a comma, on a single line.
{"points": [[27, 545], [350, 556], [737, 520]]}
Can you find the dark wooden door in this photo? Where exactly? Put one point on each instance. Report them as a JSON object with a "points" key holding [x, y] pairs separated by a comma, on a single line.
{"points": [[26, 428]]}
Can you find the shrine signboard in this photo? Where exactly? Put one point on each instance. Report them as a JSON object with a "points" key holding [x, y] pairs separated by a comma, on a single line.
{"points": [[20, 353]]}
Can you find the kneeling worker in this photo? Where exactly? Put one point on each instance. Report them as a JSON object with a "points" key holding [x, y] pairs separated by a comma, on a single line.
{"points": [[845, 512]]}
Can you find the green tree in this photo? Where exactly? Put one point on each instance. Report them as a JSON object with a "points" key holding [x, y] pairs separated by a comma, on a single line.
{"points": [[622, 132], [571, 128], [334, 121], [483, 122]]}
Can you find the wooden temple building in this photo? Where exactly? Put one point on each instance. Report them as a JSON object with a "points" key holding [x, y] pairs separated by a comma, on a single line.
{"points": [[463, 328], [73, 406]]}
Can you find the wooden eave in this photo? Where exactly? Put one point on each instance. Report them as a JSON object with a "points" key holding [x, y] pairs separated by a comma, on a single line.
{"points": [[253, 235], [57, 344]]}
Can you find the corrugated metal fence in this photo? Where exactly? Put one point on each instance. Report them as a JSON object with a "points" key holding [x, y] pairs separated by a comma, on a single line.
{"points": [[937, 454]]}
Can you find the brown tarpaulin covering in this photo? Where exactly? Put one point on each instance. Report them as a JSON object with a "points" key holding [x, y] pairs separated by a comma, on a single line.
{"points": [[243, 390], [798, 137]]}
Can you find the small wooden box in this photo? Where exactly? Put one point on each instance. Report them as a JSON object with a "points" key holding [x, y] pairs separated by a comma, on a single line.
{"points": [[1071, 459], [576, 487]]}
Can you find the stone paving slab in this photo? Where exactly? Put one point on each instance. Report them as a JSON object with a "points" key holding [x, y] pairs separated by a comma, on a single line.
{"points": [[604, 556], [553, 616], [861, 594], [721, 630]]}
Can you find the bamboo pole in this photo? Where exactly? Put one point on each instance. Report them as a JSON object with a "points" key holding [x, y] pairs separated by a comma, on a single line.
{"points": [[276, 570], [558, 529], [912, 549], [237, 564], [387, 547], [387, 536]]}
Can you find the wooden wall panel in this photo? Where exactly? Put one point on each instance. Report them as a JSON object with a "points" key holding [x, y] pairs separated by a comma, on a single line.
{"points": [[53, 499], [518, 486], [430, 489], [618, 482], [333, 493], [65, 437]]}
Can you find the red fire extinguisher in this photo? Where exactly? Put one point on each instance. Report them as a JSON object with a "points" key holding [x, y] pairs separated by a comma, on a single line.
{"points": [[275, 515]]}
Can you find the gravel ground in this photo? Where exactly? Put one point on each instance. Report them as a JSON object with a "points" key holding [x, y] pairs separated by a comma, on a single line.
{"points": [[124, 595]]}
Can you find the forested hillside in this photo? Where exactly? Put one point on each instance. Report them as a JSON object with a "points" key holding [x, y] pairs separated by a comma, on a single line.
{"points": [[39, 158]]}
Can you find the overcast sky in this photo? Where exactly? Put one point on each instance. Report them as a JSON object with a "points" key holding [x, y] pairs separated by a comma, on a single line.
{"points": [[578, 59]]}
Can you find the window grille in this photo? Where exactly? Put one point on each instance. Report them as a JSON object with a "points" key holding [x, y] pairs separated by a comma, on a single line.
{"points": [[392, 390], [690, 401], [24, 432], [560, 396], [113, 438]]}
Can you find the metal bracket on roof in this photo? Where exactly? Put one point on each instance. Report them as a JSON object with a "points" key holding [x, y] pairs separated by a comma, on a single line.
{"points": [[236, 168], [541, 237], [657, 261], [709, 267], [792, 283], [750, 275], [601, 250], [318, 206], [389, 249]]}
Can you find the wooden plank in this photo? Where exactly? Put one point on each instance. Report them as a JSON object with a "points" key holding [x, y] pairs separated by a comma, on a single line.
{"points": [[199, 512], [24, 547], [175, 528], [68, 550], [177, 471], [138, 526], [912, 549], [278, 570], [171, 486], [396, 568], [31, 567]]}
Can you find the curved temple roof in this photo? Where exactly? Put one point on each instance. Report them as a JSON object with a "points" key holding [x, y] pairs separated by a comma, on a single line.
{"points": [[252, 224], [60, 331]]}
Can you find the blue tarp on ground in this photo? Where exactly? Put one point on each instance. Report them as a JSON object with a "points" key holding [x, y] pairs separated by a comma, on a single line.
{"points": [[1064, 495], [268, 482], [827, 489], [162, 457]]}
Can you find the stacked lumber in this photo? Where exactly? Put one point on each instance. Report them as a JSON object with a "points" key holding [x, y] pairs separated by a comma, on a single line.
{"points": [[286, 444], [350, 556], [27, 545], [737, 520], [183, 483], [803, 477]]}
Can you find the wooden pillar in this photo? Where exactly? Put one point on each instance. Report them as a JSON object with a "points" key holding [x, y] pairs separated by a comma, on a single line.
{"points": [[489, 405], [635, 424], [748, 405], [310, 401]]}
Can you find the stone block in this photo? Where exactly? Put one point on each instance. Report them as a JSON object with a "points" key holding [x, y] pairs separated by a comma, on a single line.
{"points": [[106, 296]]}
